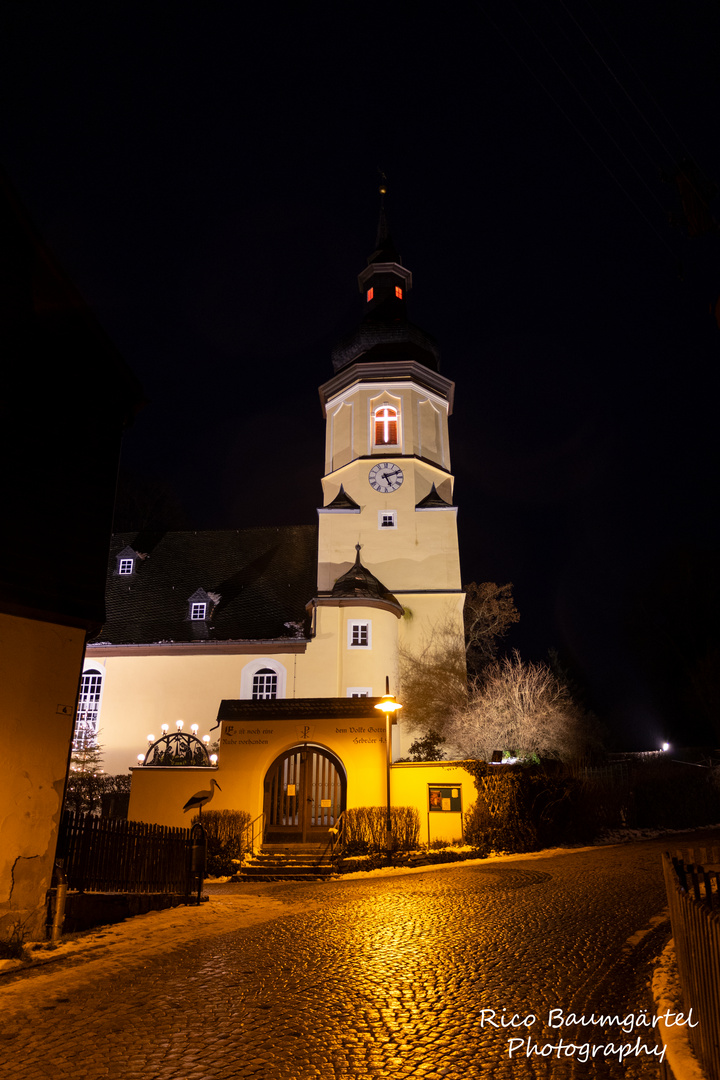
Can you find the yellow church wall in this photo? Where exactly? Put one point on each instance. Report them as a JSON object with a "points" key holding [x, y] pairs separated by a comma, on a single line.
{"points": [[140, 693], [410, 783], [247, 750], [38, 690]]}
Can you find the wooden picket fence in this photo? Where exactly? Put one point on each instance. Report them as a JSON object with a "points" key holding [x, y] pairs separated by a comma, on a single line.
{"points": [[111, 855], [692, 883]]}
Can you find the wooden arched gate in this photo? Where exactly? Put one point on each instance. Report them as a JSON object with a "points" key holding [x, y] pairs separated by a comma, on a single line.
{"points": [[305, 793]]}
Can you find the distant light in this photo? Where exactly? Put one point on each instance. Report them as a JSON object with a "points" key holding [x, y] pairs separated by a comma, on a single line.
{"points": [[665, 746]]}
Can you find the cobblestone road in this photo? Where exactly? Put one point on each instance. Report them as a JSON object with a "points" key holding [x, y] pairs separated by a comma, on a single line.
{"points": [[383, 977]]}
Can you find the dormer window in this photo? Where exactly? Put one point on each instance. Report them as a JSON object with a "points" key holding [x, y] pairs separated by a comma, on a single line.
{"points": [[369, 295], [386, 426], [125, 565], [398, 292], [201, 606]]}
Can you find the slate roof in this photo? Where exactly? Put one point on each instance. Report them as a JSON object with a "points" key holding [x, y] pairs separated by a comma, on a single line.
{"points": [[359, 582], [264, 577], [302, 709]]}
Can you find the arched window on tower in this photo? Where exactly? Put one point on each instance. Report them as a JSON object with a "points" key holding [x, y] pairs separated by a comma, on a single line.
{"points": [[88, 710], [386, 426]]}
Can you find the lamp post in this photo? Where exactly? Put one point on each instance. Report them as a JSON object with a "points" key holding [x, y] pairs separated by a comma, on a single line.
{"points": [[388, 705]]}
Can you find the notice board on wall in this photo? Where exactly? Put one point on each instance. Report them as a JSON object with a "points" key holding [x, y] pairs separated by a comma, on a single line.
{"points": [[444, 799]]}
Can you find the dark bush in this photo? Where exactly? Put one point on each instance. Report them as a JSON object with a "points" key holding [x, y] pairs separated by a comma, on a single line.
{"points": [[365, 828], [227, 839]]}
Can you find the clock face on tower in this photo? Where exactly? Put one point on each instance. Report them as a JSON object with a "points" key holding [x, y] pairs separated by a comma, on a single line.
{"points": [[386, 477]]}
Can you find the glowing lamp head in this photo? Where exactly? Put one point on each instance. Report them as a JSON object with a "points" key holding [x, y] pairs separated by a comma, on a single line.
{"points": [[388, 704], [665, 746]]}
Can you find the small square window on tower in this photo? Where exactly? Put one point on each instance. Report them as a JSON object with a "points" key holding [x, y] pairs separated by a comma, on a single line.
{"points": [[369, 295], [359, 634], [398, 292], [387, 519]]}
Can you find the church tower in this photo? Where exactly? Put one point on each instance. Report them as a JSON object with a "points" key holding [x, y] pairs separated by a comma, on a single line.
{"points": [[388, 490]]}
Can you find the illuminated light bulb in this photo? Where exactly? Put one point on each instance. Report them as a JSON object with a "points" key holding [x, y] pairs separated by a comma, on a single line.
{"points": [[213, 759], [194, 728], [151, 738], [206, 740], [165, 728], [666, 746], [140, 758], [179, 725]]}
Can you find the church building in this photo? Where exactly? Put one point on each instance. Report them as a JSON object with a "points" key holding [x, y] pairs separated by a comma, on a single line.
{"points": [[279, 642]]}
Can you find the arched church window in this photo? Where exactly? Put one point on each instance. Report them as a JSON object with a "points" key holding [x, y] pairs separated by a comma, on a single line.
{"points": [[386, 426], [264, 684], [88, 710]]}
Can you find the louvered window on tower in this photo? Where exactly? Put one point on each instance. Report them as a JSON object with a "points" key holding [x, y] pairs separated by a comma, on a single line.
{"points": [[264, 684], [386, 426]]}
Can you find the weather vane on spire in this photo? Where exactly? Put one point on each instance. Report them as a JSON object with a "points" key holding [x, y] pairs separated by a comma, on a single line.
{"points": [[383, 187]]}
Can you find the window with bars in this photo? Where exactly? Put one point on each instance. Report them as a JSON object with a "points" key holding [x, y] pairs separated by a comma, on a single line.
{"points": [[386, 426], [264, 684], [88, 710], [359, 634], [197, 611]]}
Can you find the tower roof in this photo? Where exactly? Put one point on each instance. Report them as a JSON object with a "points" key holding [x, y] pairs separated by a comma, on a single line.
{"points": [[359, 582], [385, 332]]}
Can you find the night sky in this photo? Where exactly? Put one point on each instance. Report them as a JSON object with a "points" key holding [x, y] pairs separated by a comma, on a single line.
{"points": [[208, 178]]}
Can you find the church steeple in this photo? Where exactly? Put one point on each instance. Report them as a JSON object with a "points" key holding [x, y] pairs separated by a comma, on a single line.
{"points": [[385, 332]]}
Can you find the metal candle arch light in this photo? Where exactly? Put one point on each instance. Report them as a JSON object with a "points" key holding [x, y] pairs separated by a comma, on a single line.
{"points": [[178, 748]]}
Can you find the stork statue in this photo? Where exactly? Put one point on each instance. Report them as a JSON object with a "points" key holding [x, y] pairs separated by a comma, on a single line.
{"points": [[200, 798]]}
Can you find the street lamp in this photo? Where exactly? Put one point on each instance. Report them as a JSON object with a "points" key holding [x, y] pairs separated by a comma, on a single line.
{"points": [[388, 705]]}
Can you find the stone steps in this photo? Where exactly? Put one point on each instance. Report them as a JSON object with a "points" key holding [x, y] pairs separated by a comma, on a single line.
{"points": [[288, 862]]}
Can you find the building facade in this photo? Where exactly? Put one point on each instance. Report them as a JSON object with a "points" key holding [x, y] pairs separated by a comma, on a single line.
{"points": [[279, 641]]}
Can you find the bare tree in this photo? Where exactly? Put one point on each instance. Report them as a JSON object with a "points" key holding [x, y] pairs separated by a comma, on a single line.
{"points": [[522, 709], [434, 680], [489, 613]]}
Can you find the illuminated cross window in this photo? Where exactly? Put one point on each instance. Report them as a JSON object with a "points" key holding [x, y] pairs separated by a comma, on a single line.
{"points": [[264, 684], [398, 292], [386, 426], [197, 611], [369, 295]]}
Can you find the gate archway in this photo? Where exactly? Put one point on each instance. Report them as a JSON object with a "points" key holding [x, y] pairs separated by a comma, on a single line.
{"points": [[305, 794]]}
